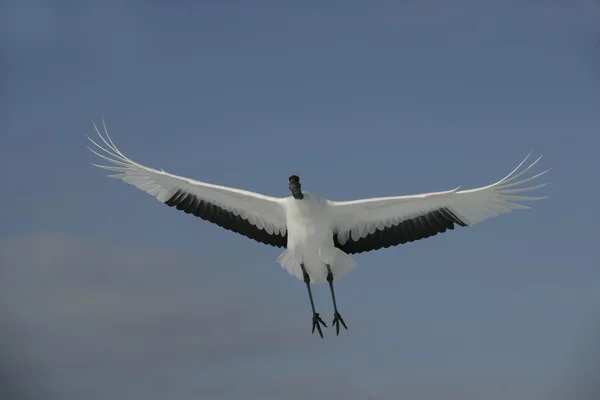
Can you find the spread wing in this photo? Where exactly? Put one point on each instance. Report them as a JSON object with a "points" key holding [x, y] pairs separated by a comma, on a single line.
{"points": [[253, 215], [372, 224]]}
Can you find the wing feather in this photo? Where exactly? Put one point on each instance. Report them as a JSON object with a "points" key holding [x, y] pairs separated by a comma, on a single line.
{"points": [[253, 215], [370, 224]]}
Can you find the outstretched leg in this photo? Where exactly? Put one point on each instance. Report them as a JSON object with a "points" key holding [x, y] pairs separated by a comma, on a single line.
{"points": [[337, 318], [316, 319]]}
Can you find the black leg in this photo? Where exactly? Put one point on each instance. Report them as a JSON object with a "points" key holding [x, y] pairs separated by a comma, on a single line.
{"points": [[316, 319], [337, 318]]}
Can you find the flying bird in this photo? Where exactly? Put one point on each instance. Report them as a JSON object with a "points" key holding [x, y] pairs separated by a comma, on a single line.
{"points": [[318, 235]]}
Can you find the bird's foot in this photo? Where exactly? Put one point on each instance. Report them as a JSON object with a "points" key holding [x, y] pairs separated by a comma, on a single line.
{"points": [[337, 318], [316, 324]]}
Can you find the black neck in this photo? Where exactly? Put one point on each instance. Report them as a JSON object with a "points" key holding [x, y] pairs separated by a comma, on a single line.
{"points": [[297, 193]]}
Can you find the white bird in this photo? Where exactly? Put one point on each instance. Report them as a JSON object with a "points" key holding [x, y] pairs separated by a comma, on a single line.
{"points": [[319, 234]]}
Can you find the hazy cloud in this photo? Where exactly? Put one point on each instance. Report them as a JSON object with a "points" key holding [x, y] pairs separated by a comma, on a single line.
{"points": [[81, 306], [84, 319]]}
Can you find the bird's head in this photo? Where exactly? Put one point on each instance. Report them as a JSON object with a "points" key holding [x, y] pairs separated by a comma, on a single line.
{"points": [[295, 187]]}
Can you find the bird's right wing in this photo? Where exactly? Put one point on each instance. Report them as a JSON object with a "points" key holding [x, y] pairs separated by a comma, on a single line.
{"points": [[370, 224], [253, 215]]}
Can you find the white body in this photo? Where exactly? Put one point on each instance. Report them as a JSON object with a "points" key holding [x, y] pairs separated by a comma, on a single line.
{"points": [[312, 223], [310, 240]]}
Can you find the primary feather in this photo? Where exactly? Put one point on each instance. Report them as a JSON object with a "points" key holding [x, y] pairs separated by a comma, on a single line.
{"points": [[370, 224], [253, 215]]}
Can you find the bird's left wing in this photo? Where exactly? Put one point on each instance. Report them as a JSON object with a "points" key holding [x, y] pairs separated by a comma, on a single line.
{"points": [[253, 215], [371, 224]]}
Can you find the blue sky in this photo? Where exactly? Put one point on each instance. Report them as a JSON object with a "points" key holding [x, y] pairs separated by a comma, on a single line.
{"points": [[358, 99]]}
